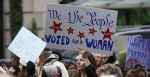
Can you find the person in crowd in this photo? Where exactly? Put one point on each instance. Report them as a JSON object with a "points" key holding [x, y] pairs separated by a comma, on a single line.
{"points": [[51, 71], [48, 58], [86, 64], [70, 66], [23, 69], [3, 69], [31, 69], [109, 69], [137, 70], [11, 67], [27, 70], [100, 59], [15, 63]]}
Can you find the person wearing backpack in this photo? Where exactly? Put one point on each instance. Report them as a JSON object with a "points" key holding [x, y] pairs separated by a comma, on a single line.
{"points": [[48, 58]]}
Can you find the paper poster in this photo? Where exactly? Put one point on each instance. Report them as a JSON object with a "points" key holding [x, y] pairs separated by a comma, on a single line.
{"points": [[70, 27], [138, 51], [27, 46]]}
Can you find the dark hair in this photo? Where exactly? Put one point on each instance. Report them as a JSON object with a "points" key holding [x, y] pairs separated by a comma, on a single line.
{"points": [[30, 68], [90, 57], [47, 49], [111, 59]]}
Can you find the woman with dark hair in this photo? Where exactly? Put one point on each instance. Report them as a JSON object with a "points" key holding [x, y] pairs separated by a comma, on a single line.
{"points": [[86, 64]]}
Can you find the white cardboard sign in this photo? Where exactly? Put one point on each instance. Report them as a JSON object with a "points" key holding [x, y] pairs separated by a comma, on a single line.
{"points": [[27, 46], [70, 27]]}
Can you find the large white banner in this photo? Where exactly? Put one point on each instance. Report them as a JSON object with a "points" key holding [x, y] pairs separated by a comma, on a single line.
{"points": [[27, 46], [70, 27], [138, 51]]}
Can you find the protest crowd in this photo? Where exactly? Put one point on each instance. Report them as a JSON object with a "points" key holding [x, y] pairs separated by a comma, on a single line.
{"points": [[34, 57], [52, 64]]}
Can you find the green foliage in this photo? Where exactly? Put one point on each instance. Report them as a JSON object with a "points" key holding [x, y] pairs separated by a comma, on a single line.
{"points": [[122, 57], [121, 18], [137, 16], [34, 27], [16, 16]]}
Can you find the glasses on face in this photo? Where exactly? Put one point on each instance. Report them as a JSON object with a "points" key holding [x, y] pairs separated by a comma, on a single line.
{"points": [[97, 57]]}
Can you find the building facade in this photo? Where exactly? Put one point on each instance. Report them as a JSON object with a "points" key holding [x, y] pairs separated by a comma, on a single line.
{"points": [[32, 10]]}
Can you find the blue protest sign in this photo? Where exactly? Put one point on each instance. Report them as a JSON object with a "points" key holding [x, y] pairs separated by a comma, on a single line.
{"points": [[138, 51]]}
